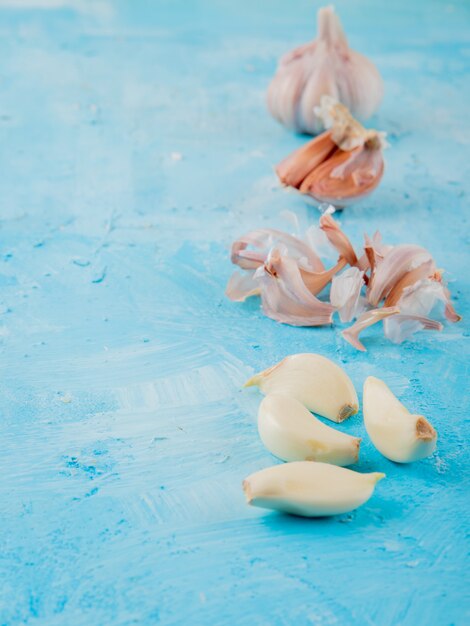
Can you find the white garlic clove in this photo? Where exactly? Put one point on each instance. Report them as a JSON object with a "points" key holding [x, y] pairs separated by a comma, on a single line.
{"points": [[325, 66], [315, 381], [292, 433], [395, 432], [309, 489]]}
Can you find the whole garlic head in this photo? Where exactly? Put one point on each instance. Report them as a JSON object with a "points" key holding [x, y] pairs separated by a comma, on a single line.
{"points": [[326, 66]]}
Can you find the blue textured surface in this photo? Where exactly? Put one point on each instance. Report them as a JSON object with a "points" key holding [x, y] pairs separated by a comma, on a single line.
{"points": [[124, 433]]}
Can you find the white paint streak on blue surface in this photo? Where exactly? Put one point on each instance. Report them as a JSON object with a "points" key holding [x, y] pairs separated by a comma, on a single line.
{"points": [[125, 434]]}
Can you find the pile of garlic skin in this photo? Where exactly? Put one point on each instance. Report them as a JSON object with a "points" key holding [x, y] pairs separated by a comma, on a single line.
{"points": [[314, 482], [325, 66], [400, 285], [340, 166]]}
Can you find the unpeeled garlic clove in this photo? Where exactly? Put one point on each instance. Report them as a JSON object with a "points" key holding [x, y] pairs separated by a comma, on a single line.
{"points": [[309, 489], [315, 381], [395, 432], [298, 165], [340, 166], [292, 433], [326, 66], [345, 177]]}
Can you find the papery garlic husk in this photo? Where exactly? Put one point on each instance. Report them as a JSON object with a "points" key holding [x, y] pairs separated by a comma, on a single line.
{"points": [[325, 66], [285, 296], [292, 433], [395, 432], [392, 268], [315, 381], [368, 318], [309, 489], [340, 166], [345, 294]]}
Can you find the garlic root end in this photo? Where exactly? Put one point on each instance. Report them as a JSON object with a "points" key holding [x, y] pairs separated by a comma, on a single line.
{"points": [[424, 430]]}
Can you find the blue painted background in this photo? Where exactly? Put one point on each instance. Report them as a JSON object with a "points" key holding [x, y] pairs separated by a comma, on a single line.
{"points": [[134, 146]]}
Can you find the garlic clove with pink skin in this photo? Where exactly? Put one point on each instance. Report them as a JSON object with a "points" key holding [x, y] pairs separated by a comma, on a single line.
{"points": [[345, 177], [298, 165], [340, 166], [325, 66]]}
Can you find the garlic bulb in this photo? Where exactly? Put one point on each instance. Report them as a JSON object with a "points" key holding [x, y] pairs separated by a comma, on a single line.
{"points": [[315, 381], [309, 489], [326, 66], [395, 432], [340, 166], [292, 433]]}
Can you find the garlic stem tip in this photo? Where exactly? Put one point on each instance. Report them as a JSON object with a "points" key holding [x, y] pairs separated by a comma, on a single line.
{"points": [[424, 430], [252, 382], [247, 491], [346, 411]]}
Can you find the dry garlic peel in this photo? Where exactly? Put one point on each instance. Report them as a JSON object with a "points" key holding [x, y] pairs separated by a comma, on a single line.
{"points": [[365, 320], [403, 284], [285, 296], [396, 433], [315, 381], [309, 489], [326, 66], [339, 166], [292, 433]]}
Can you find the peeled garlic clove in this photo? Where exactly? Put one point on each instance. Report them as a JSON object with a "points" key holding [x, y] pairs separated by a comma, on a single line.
{"points": [[396, 433], [315, 381], [292, 433], [309, 489], [326, 66]]}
